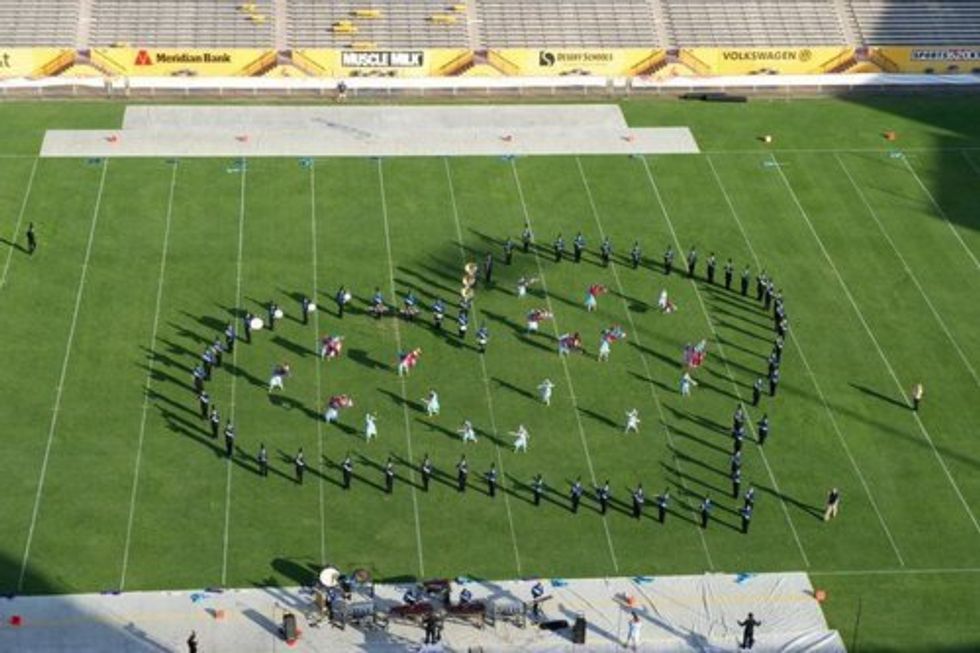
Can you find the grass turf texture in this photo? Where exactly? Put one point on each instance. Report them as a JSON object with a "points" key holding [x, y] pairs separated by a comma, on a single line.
{"points": [[82, 365]]}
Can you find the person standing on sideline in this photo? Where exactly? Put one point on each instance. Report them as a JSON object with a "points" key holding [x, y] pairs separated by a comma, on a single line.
{"points": [[31, 239], [299, 462], [729, 273], [633, 632], [748, 631], [426, 471], [833, 505], [917, 393], [712, 263], [692, 262], [192, 642], [263, 459]]}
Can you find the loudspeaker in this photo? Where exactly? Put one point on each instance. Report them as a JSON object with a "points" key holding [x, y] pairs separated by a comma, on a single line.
{"points": [[554, 624], [288, 626], [578, 630]]}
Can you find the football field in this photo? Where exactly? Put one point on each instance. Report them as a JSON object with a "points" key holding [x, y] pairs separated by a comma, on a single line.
{"points": [[112, 481]]}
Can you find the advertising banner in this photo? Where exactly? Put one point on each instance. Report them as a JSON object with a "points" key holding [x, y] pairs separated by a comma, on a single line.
{"points": [[939, 59], [188, 62], [548, 62], [749, 61], [432, 62], [34, 62]]}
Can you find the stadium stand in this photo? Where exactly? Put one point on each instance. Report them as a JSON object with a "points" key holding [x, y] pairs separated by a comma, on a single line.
{"points": [[33, 23], [569, 23], [754, 23], [182, 23], [882, 22], [377, 24]]}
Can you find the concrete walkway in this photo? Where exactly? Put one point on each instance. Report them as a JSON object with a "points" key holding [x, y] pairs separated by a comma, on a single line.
{"points": [[261, 131]]}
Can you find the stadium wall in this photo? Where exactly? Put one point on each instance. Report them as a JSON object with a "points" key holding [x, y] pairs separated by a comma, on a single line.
{"points": [[365, 61]]}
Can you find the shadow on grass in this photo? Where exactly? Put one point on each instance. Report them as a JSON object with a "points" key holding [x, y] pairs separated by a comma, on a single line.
{"points": [[882, 397]]}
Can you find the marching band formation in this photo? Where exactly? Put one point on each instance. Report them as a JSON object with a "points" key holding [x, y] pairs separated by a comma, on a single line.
{"points": [[331, 347]]}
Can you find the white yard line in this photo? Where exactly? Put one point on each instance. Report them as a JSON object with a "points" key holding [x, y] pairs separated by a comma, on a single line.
{"points": [[874, 340], [486, 377], [61, 379], [940, 211], [149, 379], [234, 377], [724, 358], [20, 219], [915, 280], [813, 377], [401, 379], [643, 360], [895, 572], [319, 388], [564, 363]]}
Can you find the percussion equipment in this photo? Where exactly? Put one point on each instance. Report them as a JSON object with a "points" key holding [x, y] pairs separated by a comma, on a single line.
{"points": [[256, 324], [329, 577], [471, 267], [466, 293], [278, 313], [469, 280], [311, 308]]}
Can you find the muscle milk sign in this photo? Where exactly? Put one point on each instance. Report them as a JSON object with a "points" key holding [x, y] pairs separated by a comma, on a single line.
{"points": [[382, 59]]}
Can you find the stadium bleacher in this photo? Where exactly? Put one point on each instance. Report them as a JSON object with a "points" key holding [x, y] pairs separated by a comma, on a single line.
{"points": [[396, 23], [754, 23], [570, 23], [883, 22], [182, 23], [34, 23]]}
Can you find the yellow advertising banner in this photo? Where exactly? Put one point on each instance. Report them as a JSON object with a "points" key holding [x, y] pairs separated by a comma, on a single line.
{"points": [[575, 61], [189, 62], [749, 61], [361, 62], [34, 62], [931, 59]]}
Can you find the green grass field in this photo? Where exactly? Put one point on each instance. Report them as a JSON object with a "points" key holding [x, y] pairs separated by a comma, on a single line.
{"points": [[111, 480]]}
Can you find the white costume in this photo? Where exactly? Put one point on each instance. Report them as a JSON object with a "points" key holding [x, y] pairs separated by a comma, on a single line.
{"points": [[604, 349], [544, 390], [370, 427], [632, 421], [520, 439], [467, 432], [432, 404]]}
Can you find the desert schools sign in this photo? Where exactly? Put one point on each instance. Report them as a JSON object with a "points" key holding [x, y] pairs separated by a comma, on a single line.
{"points": [[549, 58], [382, 59], [563, 61]]}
